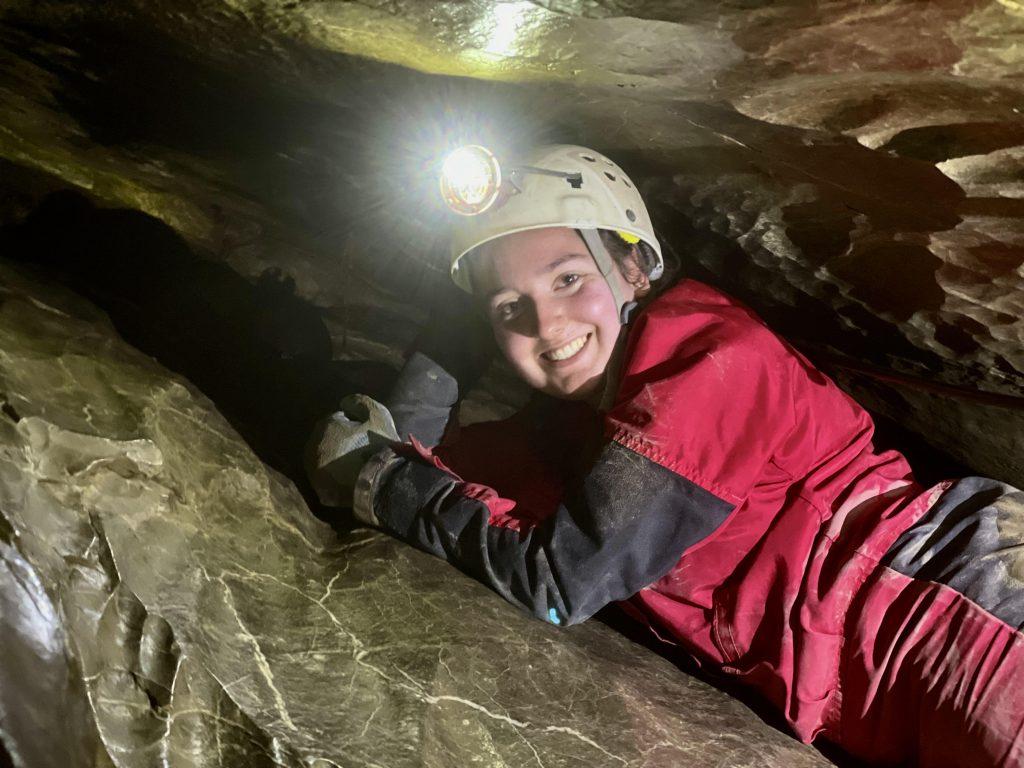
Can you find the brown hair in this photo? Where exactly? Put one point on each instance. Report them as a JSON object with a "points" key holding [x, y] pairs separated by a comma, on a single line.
{"points": [[636, 261]]}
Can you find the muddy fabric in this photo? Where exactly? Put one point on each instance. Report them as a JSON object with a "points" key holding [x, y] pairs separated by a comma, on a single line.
{"points": [[619, 532], [929, 677], [933, 651], [973, 542]]}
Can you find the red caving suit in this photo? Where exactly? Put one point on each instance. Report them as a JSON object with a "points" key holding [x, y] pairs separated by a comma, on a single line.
{"points": [[732, 497]]}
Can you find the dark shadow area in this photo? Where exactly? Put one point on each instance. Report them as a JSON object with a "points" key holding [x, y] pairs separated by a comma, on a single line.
{"points": [[936, 143], [130, 86], [259, 352], [897, 279]]}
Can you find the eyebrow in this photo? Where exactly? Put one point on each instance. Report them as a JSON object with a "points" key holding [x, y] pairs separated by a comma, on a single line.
{"points": [[559, 262], [543, 271]]}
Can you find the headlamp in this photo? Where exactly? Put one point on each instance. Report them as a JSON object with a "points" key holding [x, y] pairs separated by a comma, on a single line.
{"points": [[470, 180]]}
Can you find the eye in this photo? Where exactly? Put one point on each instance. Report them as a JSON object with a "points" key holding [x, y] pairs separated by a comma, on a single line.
{"points": [[507, 310], [568, 279]]}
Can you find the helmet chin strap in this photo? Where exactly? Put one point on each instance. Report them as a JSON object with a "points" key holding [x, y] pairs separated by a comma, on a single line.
{"points": [[606, 265]]}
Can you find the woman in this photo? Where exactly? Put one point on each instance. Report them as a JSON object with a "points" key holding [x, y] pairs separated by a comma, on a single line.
{"points": [[694, 466]]}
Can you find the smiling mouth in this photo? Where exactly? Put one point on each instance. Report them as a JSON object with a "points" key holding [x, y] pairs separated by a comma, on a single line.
{"points": [[568, 351]]}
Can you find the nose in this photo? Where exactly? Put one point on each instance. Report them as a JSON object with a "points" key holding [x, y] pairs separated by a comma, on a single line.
{"points": [[550, 319]]}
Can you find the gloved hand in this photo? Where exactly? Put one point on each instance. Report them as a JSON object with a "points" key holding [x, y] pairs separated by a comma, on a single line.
{"points": [[422, 399], [342, 443], [450, 354]]}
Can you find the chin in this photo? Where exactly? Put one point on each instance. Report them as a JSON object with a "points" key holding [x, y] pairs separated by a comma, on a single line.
{"points": [[585, 390]]}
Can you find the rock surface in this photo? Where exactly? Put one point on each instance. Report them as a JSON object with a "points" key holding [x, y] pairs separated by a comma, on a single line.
{"points": [[168, 600]]}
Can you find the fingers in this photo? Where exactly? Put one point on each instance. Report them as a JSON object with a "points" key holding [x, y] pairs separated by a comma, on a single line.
{"points": [[373, 416]]}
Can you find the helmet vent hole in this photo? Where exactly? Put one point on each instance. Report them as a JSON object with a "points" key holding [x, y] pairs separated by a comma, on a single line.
{"points": [[589, 159], [630, 215], [610, 175], [626, 182]]}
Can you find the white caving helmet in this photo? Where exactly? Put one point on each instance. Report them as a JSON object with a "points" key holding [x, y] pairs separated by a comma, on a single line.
{"points": [[550, 186]]}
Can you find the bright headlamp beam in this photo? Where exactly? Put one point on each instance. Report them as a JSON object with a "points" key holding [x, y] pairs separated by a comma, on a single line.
{"points": [[470, 180]]}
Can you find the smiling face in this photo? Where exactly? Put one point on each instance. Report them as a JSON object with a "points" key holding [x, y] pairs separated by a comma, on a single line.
{"points": [[551, 310]]}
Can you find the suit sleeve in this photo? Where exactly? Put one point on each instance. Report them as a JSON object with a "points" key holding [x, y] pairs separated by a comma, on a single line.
{"points": [[623, 528]]}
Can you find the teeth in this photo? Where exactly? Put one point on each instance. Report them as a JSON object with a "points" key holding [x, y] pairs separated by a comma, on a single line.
{"points": [[570, 349]]}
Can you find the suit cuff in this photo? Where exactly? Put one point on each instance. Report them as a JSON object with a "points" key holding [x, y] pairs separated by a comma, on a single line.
{"points": [[368, 484]]}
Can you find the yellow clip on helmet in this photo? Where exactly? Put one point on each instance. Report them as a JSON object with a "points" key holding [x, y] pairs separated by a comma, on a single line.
{"points": [[551, 186]]}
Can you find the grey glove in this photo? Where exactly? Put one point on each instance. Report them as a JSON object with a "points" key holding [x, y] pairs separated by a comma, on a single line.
{"points": [[342, 443], [422, 399]]}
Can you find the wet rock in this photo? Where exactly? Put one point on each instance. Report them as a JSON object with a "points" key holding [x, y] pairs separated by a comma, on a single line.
{"points": [[167, 599]]}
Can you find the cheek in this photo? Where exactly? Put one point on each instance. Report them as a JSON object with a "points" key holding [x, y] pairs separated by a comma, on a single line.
{"points": [[594, 305]]}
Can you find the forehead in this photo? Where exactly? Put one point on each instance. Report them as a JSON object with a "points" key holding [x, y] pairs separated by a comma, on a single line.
{"points": [[516, 259]]}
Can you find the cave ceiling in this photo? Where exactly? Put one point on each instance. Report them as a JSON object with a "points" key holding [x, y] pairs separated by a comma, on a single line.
{"points": [[854, 170]]}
